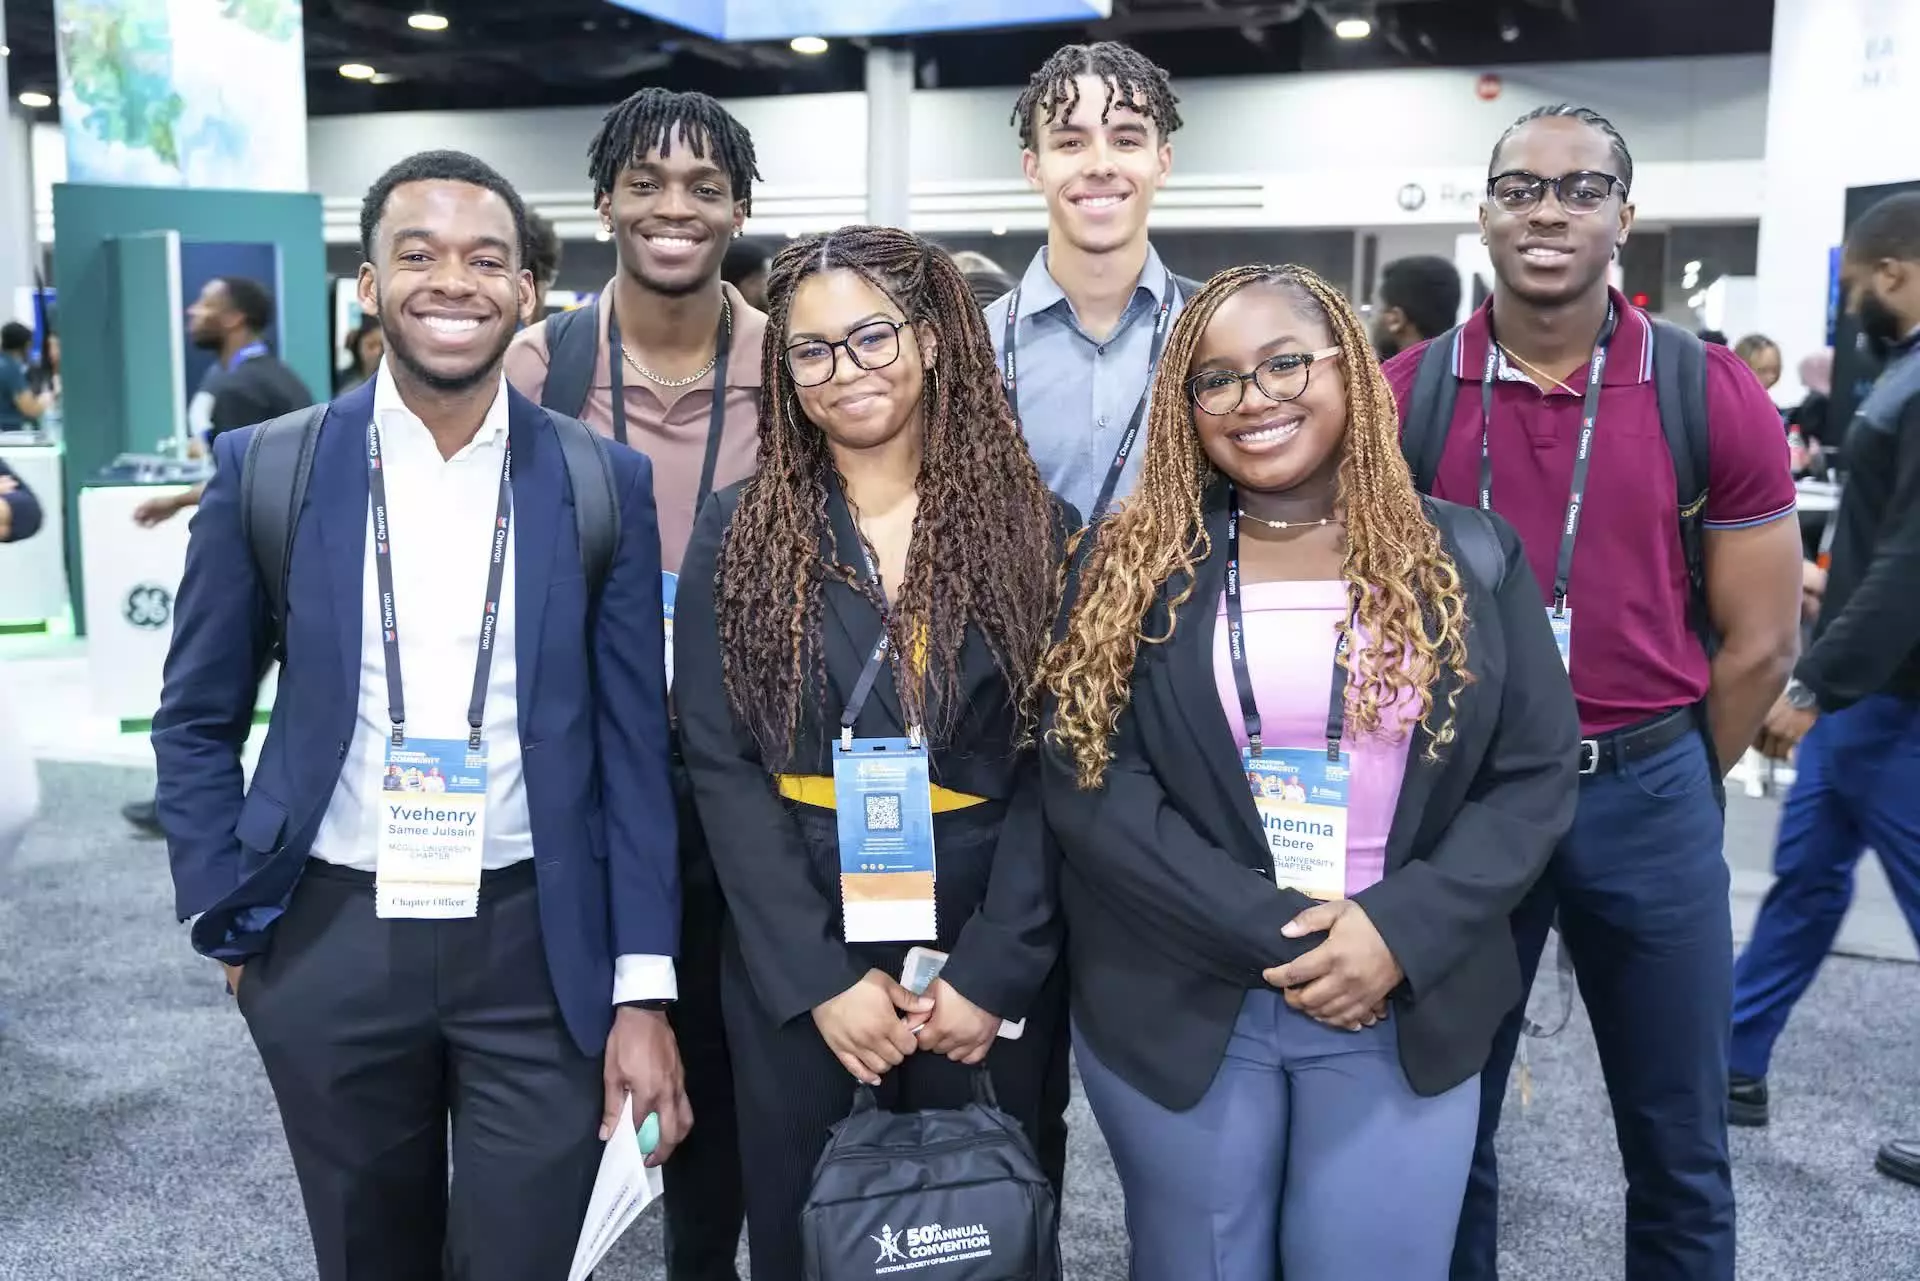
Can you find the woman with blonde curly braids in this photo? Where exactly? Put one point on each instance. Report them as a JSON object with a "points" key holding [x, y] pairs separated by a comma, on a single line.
{"points": [[1308, 742], [878, 595]]}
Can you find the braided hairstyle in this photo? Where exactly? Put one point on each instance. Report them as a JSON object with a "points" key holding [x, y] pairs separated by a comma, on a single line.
{"points": [[1586, 116], [1131, 77], [1404, 590], [984, 548], [645, 123]]}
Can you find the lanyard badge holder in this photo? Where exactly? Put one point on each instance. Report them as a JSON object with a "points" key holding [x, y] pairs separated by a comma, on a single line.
{"points": [[1010, 383], [433, 791], [1300, 793], [716, 425], [1559, 613], [883, 801]]}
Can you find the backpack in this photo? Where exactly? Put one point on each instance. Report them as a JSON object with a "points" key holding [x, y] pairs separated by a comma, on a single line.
{"points": [[957, 1192], [279, 462], [1680, 381], [573, 345]]}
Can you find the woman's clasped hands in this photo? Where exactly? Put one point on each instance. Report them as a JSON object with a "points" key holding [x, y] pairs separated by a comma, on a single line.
{"points": [[1344, 981], [874, 1025]]}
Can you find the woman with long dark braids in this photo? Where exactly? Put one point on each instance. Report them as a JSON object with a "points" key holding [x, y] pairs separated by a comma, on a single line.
{"points": [[1308, 743], [894, 500]]}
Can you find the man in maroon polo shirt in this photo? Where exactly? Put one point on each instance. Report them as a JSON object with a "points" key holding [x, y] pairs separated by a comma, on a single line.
{"points": [[1640, 884]]}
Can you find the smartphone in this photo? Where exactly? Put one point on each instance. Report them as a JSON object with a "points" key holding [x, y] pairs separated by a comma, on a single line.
{"points": [[923, 966]]}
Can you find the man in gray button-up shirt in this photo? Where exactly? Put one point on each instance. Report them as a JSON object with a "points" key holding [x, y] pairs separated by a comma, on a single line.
{"points": [[1094, 124]]}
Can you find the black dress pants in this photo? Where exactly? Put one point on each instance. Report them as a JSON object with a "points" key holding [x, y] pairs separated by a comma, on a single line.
{"points": [[703, 1206], [375, 1034], [791, 1091]]}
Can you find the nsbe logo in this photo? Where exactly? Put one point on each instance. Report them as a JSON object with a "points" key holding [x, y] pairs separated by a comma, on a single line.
{"points": [[930, 1246]]}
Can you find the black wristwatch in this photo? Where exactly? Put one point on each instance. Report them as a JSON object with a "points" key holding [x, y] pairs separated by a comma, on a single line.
{"points": [[658, 1007], [1801, 697]]}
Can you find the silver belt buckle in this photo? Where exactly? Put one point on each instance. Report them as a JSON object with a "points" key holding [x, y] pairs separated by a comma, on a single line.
{"points": [[1589, 757]]}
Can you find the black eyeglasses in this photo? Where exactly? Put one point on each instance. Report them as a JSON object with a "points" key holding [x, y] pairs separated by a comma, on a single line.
{"points": [[1580, 192], [1279, 378], [872, 346]]}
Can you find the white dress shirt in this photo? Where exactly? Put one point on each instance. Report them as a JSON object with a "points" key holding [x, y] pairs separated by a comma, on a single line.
{"points": [[440, 515]]}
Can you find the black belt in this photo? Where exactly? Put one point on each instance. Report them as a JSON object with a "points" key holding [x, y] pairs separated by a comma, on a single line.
{"points": [[1608, 752]]}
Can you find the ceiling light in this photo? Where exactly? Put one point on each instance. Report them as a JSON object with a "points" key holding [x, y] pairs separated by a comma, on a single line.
{"points": [[812, 46], [603, 235], [357, 71], [5, 52], [35, 100], [999, 229], [427, 20], [1353, 28]]}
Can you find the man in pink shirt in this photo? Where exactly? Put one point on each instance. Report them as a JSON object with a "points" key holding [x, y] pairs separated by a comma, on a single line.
{"points": [[667, 359]]}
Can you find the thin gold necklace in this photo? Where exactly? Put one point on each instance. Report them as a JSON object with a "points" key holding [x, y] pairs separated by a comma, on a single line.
{"points": [[1290, 524], [1533, 369], [726, 323]]}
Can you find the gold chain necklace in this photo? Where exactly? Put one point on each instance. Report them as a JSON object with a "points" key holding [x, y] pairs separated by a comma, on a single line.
{"points": [[1533, 369], [726, 323]]}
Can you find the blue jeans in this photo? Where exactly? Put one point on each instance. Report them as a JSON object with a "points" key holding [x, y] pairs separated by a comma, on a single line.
{"points": [[1309, 1153], [1641, 889], [1857, 783]]}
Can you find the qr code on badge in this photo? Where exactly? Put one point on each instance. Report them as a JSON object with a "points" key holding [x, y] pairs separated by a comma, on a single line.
{"points": [[883, 812]]}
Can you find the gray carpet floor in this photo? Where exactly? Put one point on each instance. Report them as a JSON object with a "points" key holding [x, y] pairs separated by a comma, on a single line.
{"points": [[138, 1138]]}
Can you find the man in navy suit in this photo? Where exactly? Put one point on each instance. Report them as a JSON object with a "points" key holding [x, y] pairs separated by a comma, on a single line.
{"points": [[478, 973]]}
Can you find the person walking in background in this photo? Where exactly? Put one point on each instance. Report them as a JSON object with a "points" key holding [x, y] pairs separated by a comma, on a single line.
{"points": [[669, 358], [452, 1015], [1281, 1003], [21, 407], [889, 573], [20, 513], [988, 281], [1762, 355], [248, 384], [365, 349], [1555, 412], [544, 253], [745, 268], [1419, 299], [1850, 719], [1078, 339]]}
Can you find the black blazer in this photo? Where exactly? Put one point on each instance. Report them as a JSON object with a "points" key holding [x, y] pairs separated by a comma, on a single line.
{"points": [[1167, 885], [996, 873]]}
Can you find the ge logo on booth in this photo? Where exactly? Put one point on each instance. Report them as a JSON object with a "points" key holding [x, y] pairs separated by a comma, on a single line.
{"points": [[149, 606]]}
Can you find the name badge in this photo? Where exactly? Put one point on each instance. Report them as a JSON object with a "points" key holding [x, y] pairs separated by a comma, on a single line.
{"points": [[1302, 800], [1561, 620], [669, 584], [433, 825], [884, 802]]}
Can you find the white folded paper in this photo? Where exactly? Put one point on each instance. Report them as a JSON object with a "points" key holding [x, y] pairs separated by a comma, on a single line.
{"points": [[623, 1188]]}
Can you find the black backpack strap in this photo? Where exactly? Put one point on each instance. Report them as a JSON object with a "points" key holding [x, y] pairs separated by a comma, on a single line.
{"points": [[1680, 380], [596, 505], [273, 485], [1429, 412], [573, 345]]}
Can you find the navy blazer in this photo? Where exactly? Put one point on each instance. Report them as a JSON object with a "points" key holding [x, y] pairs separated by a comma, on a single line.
{"points": [[591, 692]]}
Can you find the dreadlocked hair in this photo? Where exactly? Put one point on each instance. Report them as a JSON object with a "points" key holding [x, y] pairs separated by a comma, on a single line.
{"points": [[1131, 77], [1586, 116], [1403, 589], [984, 547], [646, 122]]}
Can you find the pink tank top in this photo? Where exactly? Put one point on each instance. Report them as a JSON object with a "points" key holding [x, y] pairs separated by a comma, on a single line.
{"points": [[1291, 631]]}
